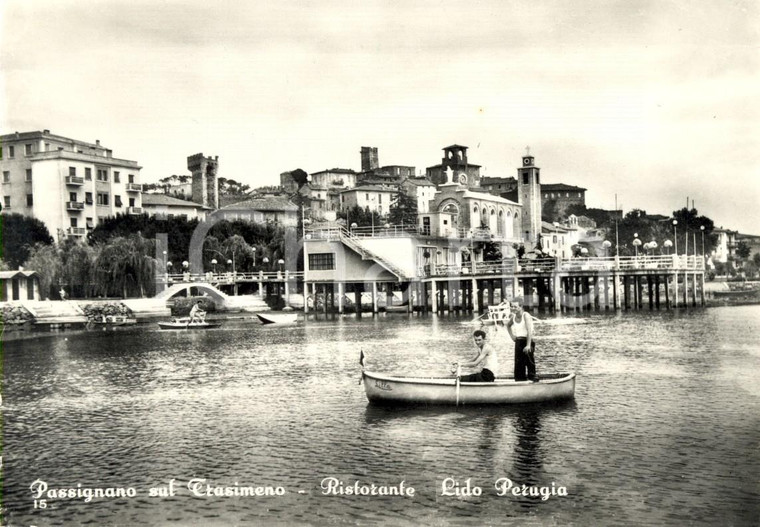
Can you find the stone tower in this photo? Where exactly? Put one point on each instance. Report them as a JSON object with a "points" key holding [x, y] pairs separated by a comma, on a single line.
{"points": [[529, 196], [455, 168], [370, 159], [205, 183]]}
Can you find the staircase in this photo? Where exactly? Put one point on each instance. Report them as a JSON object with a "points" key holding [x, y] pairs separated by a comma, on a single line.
{"points": [[55, 312], [355, 243]]}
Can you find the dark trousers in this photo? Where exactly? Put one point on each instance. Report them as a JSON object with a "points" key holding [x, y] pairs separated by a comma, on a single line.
{"points": [[525, 363], [485, 375]]}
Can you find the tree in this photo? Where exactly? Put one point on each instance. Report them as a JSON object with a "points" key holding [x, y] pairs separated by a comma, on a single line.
{"points": [[125, 265], [19, 235], [743, 250], [403, 210], [46, 261], [363, 217], [78, 267]]}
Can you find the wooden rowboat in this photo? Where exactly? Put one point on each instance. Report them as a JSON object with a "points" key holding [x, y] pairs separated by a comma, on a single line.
{"points": [[184, 323], [115, 320], [278, 318], [385, 389]]}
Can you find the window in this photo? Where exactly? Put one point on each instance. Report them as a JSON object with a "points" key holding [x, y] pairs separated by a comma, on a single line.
{"points": [[102, 174], [7, 202], [29, 200], [526, 178], [379, 198], [6, 176], [88, 221], [117, 201], [366, 196], [28, 174], [322, 262], [102, 198], [88, 198], [88, 174], [72, 196], [11, 152], [73, 222], [72, 171], [131, 178], [131, 202], [27, 150], [116, 177]]}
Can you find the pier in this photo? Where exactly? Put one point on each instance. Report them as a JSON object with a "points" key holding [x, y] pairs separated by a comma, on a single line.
{"points": [[547, 284]]}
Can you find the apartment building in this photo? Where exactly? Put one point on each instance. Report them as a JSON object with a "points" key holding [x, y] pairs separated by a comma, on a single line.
{"points": [[68, 184]]}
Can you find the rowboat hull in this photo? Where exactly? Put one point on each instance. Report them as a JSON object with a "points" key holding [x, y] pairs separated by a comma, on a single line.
{"points": [[278, 318], [184, 325], [384, 389]]}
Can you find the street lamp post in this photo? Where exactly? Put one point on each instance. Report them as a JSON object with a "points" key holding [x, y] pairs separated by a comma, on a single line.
{"points": [[213, 262], [704, 256], [636, 243], [606, 244], [667, 244], [231, 263], [675, 238], [253, 250]]}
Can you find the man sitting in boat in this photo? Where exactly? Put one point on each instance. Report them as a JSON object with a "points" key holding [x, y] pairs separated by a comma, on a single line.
{"points": [[520, 328], [196, 313], [485, 362]]}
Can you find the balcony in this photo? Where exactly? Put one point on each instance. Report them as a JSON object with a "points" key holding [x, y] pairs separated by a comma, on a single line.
{"points": [[74, 205], [134, 210], [134, 187], [74, 180], [76, 231]]}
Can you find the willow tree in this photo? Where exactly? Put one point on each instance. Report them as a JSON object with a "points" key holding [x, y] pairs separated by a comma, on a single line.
{"points": [[45, 260], [125, 263]]}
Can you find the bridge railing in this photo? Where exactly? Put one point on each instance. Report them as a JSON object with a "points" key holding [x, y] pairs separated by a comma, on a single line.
{"points": [[230, 277]]}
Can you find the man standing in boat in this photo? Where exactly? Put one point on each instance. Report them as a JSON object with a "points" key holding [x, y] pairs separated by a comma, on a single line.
{"points": [[486, 361], [196, 313], [520, 328]]}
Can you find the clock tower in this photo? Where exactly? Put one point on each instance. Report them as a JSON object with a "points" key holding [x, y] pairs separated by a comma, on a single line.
{"points": [[529, 196]]}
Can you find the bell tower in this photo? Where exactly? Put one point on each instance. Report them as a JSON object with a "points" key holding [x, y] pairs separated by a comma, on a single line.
{"points": [[205, 184], [529, 196]]}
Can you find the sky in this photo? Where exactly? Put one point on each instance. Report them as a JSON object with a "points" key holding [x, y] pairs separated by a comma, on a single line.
{"points": [[649, 102]]}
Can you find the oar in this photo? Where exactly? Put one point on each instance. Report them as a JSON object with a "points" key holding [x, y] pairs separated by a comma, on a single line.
{"points": [[459, 372]]}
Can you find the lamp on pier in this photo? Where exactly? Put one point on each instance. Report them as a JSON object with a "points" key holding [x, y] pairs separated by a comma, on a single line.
{"points": [[675, 237], [636, 243], [213, 262], [281, 263], [353, 227], [185, 265], [168, 267], [606, 244], [231, 264], [265, 261], [653, 245], [253, 250], [667, 244], [704, 256]]}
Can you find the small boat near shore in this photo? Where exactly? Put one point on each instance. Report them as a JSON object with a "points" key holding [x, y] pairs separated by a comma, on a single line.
{"points": [[114, 320], [496, 315], [386, 389], [277, 318], [184, 323]]}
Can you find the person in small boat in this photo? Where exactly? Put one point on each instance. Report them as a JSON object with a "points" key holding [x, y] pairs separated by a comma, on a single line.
{"points": [[520, 328], [485, 362], [196, 313]]}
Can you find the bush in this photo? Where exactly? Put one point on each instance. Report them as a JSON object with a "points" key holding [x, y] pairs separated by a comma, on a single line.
{"points": [[14, 315], [182, 306], [98, 310], [275, 303]]}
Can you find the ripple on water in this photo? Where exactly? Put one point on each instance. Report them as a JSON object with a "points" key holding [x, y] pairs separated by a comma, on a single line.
{"points": [[256, 406]]}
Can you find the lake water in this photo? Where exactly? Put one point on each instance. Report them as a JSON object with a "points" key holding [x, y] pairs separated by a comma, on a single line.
{"points": [[664, 429]]}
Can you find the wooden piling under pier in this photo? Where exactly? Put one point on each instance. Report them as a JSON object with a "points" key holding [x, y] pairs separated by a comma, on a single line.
{"points": [[568, 291]]}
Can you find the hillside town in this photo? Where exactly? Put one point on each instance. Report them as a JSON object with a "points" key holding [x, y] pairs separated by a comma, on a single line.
{"points": [[455, 216]]}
